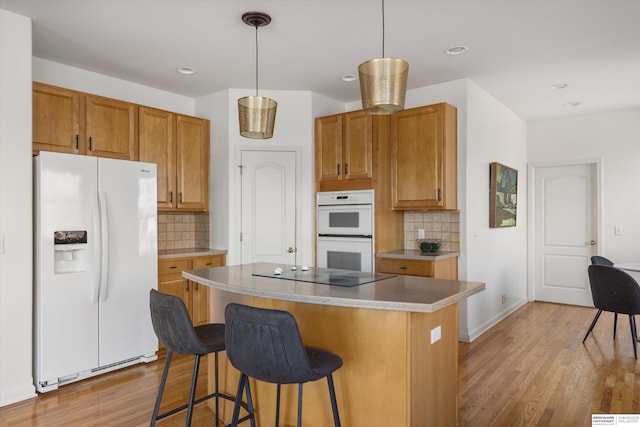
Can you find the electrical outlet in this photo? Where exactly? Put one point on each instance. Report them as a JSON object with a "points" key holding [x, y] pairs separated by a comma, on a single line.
{"points": [[504, 298], [420, 233]]}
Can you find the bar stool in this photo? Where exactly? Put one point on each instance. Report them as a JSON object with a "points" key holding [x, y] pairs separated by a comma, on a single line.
{"points": [[173, 327], [266, 345]]}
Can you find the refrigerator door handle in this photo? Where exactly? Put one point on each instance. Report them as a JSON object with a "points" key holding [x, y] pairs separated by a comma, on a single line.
{"points": [[95, 235], [104, 246]]}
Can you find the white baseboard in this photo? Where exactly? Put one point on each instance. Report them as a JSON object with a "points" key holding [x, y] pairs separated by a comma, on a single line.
{"points": [[466, 336]]}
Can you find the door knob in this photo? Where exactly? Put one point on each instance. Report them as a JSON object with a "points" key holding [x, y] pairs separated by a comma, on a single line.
{"points": [[592, 242], [290, 249]]}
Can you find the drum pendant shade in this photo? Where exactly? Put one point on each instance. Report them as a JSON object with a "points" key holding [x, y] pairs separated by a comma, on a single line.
{"points": [[383, 82], [256, 114], [383, 85]]}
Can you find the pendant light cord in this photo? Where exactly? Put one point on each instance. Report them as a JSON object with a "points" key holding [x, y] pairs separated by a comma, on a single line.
{"points": [[256, 60], [383, 28]]}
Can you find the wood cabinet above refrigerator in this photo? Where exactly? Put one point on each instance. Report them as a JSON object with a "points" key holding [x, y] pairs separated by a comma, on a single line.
{"points": [[68, 121]]}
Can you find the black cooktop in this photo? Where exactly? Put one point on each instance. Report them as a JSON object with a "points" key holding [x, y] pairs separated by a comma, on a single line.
{"points": [[325, 276]]}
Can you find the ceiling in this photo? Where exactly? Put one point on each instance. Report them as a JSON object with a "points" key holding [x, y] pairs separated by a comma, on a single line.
{"points": [[518, 49]]}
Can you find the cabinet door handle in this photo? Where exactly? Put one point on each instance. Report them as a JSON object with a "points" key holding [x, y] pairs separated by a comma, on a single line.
{"points": [[170, 196], [346, 168], [338, 169], [180, 197], [186, 285], [403, 268], [174, 266], [77, 144], [439, 195], [209, 263], [195, 286], [90, 144]]}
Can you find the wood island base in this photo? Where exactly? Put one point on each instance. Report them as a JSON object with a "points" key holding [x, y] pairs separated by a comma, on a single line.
{"points": [[392, 374]]}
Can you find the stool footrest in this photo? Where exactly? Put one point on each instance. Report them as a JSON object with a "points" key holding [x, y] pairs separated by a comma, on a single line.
{"points": [[200, 400]]}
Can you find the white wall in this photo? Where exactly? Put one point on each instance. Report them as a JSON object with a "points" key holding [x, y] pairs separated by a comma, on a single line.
{"points": [[56, 74], [496, 256], [16, 381], [293, 131], [613, 137]]}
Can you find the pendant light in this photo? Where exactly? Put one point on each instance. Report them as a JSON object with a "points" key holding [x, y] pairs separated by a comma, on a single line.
{"points": [[256, 114], [383, 82]]}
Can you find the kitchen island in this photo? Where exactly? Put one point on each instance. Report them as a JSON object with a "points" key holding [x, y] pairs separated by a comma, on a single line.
{"points": [[397, 336]]}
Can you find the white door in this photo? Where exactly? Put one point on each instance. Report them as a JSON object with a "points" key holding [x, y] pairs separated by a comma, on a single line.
{"points": [[268, 206], [565, 232]]}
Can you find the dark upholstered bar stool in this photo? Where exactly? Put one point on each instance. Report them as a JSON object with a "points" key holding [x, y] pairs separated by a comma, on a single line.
{"points": [[266, 345], [172, 325]]}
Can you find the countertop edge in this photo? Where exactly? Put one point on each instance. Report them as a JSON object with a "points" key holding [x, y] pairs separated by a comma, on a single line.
{"points": [[189, 253], [335, 301], [417, 255]]}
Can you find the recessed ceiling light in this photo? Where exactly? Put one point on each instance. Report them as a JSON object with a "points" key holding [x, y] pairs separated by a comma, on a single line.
{"points": [[456, 50], [559, 86], [349, 78], [572, 104], [186, 70]]}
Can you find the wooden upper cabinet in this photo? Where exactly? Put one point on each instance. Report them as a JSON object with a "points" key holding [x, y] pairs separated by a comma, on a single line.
{"points": [[424, 158], [328, 148], [192, 153], [57, 116], [157, 144], [344, 147], [357, 145], [111, 128]]}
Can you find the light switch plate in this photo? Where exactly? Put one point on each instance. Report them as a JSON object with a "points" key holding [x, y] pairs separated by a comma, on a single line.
{"points": [[436, 334]]}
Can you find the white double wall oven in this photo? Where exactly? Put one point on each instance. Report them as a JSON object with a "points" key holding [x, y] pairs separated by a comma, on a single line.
{"points": [[345, 230]]}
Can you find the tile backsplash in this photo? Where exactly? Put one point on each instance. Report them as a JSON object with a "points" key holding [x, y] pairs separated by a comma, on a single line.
{"points": [[178, 230], [442, 225]]}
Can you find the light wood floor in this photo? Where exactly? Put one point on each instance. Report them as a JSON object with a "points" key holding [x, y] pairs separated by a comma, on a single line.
{"points": [[529, 370]]}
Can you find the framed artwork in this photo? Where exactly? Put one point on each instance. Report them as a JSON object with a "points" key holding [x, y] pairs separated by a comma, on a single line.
{"points": [[503, 196]]}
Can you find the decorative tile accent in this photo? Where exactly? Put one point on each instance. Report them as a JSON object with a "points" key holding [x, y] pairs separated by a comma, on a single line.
{"points": [[442, 225], [178, 230]]}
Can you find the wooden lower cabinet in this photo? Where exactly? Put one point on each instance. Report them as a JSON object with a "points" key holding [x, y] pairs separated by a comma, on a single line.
{"points": [[195, 296], [440, 269]]}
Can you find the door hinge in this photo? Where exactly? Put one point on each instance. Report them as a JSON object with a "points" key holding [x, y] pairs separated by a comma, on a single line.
{"points": [[240, 166], [241, 236]]}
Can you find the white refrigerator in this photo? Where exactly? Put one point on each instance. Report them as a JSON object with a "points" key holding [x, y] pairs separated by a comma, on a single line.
{"points": [[95, 232]]}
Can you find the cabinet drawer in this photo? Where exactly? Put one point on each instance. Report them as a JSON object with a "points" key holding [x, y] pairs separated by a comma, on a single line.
{"points": [[173, 266], [405, 266], [208, 262]]}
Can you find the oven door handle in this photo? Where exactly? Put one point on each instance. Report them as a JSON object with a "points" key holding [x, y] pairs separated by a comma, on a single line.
{"points": [[352, 236]]}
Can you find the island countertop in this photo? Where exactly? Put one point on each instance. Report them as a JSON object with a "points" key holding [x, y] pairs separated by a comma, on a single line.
{"points": [[397, 292]]}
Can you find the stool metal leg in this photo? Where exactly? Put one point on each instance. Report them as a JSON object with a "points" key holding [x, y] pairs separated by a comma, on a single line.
{"points": [[278, 406], [163, 381], [192, 395], [217, 387], [242, 384], [334, 403], [299, 404]]}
